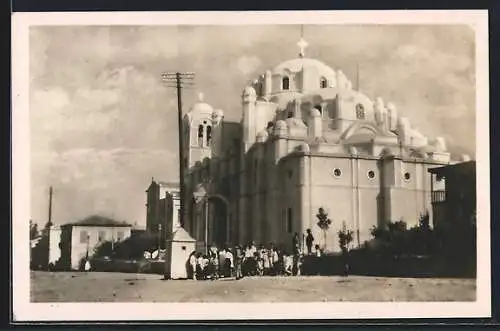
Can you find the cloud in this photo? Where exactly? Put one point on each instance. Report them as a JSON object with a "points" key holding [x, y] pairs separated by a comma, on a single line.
{"points": [[411, 52], [103, 124], [88, 181], [53, 99], [248, 64], [124, 106]]}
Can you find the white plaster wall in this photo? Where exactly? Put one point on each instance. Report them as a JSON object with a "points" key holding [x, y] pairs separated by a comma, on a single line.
{"points": [[176, 259], [79, 249], [55, 239], [367, 191]]}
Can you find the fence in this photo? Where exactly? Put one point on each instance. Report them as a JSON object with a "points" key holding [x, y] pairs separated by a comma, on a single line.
{"points": [[368, 264], [129, 266]]}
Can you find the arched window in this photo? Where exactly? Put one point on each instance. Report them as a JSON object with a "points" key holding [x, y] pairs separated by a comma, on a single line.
{"points": [[286, 83], [200, 135], [209, 135], [360, 112], [323, 83]]}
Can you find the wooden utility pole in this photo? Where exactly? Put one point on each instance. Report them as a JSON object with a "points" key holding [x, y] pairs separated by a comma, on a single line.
{"points": [[179, 81], [48, 227], [49, 222]]}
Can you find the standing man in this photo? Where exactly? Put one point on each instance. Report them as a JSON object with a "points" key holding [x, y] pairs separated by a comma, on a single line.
{"points": [[296, 244], [296, 253], [238, 262], [309, 241], [229, 263]]}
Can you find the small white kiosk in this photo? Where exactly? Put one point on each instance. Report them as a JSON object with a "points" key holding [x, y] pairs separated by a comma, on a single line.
{"points": [[179, 246]]}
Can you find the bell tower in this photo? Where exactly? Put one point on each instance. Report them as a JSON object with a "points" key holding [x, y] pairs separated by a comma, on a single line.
{"points": [[199, 132]]}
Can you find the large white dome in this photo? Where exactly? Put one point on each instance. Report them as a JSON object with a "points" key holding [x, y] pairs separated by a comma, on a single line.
{"points": [[296, 65]]}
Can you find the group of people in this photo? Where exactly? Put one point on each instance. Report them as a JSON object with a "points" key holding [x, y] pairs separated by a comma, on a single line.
{"points": [[250, 260], [212, 265]]}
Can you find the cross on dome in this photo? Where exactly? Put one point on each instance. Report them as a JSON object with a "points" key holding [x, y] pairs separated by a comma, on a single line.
{"points": [[302, 45], [201, 96]]}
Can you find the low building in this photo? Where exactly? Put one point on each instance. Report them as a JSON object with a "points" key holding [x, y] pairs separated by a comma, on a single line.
{"points": [[72, 243], [162, 208], [455, 205]]}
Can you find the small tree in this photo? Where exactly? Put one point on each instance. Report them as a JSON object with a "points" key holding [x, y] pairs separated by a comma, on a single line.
{"points": [[34, 233], [324, 223], [346, 237]]}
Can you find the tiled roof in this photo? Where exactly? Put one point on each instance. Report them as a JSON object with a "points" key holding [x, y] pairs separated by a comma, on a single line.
{"points": [[168, 184], [463, 167], [97, 220], [181, 235]]}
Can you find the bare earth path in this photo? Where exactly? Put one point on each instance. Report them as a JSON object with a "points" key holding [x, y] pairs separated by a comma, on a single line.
{"points": [[120, 287]]}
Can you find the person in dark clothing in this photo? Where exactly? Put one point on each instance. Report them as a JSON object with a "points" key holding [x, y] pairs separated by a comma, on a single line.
{"points": [[309, 241], [296, 244], [238, 261], [345, 260], [228, 263]]}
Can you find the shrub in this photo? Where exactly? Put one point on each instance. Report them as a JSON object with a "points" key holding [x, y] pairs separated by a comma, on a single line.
{"points": [[395, 238], [131, 248], [346, 236]]}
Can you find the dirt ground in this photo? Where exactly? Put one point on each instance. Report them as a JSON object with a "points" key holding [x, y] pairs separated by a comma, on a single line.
{"points": [[121, 287]]}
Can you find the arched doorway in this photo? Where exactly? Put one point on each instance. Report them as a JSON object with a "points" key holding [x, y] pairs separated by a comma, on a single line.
{"points": [[220, 234]]}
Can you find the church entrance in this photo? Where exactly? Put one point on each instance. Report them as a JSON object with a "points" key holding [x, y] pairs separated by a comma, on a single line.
{"points": [[220, 221]]}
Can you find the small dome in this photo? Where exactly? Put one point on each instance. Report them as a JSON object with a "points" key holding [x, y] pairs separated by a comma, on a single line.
{"points": [[315, 112], [249, 90], [218, 113], [281, 125], [201, 107], [281, 128], [217, 116]]}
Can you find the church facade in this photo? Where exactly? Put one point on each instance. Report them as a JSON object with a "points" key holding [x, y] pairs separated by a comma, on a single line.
{"points": [[306, 140]]}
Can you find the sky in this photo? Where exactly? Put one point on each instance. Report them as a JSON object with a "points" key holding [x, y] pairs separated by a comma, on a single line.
{"points": [[103, 124]]}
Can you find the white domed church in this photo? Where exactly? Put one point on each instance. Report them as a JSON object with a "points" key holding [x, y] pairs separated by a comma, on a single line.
{"points": [[306, 140]]}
